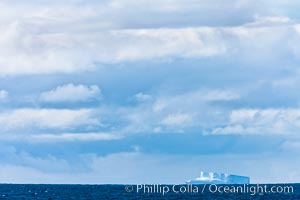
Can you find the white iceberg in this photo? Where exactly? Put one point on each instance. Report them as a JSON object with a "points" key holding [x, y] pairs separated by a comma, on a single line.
{"points": [[219, 178]]}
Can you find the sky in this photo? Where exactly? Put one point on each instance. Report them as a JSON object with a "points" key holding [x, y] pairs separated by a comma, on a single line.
{"points": [[140, 91]]}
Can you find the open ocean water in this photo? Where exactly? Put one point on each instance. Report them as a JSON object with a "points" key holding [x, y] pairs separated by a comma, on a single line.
{"points": [[90, 192]]}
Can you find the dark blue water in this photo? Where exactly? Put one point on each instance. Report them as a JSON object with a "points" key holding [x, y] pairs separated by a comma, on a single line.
{"points": [[16, 191]]}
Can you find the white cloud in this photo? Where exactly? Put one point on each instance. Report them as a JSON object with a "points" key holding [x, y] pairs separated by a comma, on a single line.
{"points": [[188, 100], [3, 95], [270, 21], [291, 146], [187, 43], [71, 137], [40, 137], [71, 93], [178, 112], [220, 95], [47, 37], [141, 97], [40, 53], [262, 121], [118, 14], [179, 119], [46, 118]]}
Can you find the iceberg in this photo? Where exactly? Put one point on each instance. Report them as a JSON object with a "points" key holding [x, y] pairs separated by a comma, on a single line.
{"points": [[219, 178]]}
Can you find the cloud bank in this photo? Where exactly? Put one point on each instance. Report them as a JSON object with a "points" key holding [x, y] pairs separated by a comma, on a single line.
{"points": [[71, 93]]}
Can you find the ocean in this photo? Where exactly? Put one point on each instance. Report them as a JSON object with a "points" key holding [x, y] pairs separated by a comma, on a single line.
{"points": [[90, 192]]}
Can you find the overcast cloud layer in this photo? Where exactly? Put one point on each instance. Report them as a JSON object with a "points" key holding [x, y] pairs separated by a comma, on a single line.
{"points": [[88, 85]]}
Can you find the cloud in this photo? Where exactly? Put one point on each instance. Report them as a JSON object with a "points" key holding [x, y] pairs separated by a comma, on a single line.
{"points": [[291, 146], [179, 112], [270, 21], [118, 14], [71, 93], [43, 53], [46, 119], [262, 121], [69, 52], [72, 137], [51, 37], [141, 97], [179, 119], [49, 138], [3, 95], [187, 100]]}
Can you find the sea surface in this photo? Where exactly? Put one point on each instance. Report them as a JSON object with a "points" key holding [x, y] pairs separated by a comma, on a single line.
{"points": [[90, 192]]}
